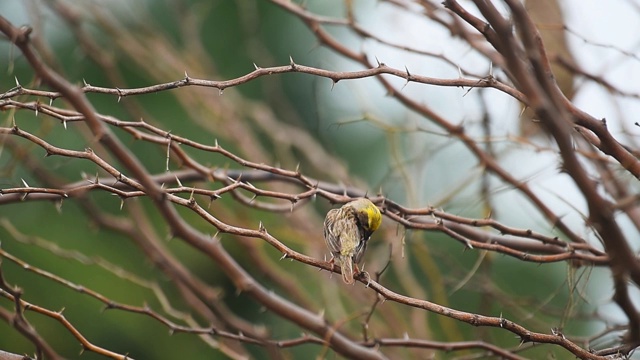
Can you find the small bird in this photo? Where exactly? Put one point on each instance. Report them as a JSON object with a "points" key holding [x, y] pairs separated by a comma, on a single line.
{"points": [[346, 232]]}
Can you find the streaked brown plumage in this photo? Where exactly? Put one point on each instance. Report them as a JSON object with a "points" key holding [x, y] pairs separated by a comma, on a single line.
{"points": [[346, 232]]}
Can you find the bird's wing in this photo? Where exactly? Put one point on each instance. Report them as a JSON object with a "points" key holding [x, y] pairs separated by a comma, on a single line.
{"points": [[341, 231], [345, 230], [331, 236]]}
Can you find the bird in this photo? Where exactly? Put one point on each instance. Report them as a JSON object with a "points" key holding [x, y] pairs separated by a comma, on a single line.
{"points": [[346, 232]]}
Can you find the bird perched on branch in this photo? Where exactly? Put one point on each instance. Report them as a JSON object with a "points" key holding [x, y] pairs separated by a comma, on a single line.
{"points": [[346, 232]]}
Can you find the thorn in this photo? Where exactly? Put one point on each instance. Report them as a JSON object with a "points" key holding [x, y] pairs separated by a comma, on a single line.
{"points": [[119, 94], [253, 198], [17, 82], [524, 108], [521, 342], [168, 155], [215, 143], [321, 313], [220, 91], [192, 200], [378, 61], [64, 123], [408, 78], [25, 183], [261, 228], [284, 256], [119, 178], [121, 203], [186, 76], [178, 181], [50, 101], [256, 66], [85, 82], [291, 62]]}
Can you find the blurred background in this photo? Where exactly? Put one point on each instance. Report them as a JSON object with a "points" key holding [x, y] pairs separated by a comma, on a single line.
{"points": [[351, 133]]}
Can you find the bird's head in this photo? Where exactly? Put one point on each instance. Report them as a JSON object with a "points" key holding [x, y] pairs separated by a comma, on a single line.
{"points": [[368, 214]]}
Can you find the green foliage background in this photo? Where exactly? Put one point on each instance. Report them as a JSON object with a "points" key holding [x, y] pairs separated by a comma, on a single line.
{"points": [[235, 35]]}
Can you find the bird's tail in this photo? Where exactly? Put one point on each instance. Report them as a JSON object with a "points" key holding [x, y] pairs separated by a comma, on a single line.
{"points": [[346, 265]]}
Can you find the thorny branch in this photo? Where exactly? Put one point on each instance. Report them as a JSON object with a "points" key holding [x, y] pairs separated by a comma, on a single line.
{"points": [[123, 174]]}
